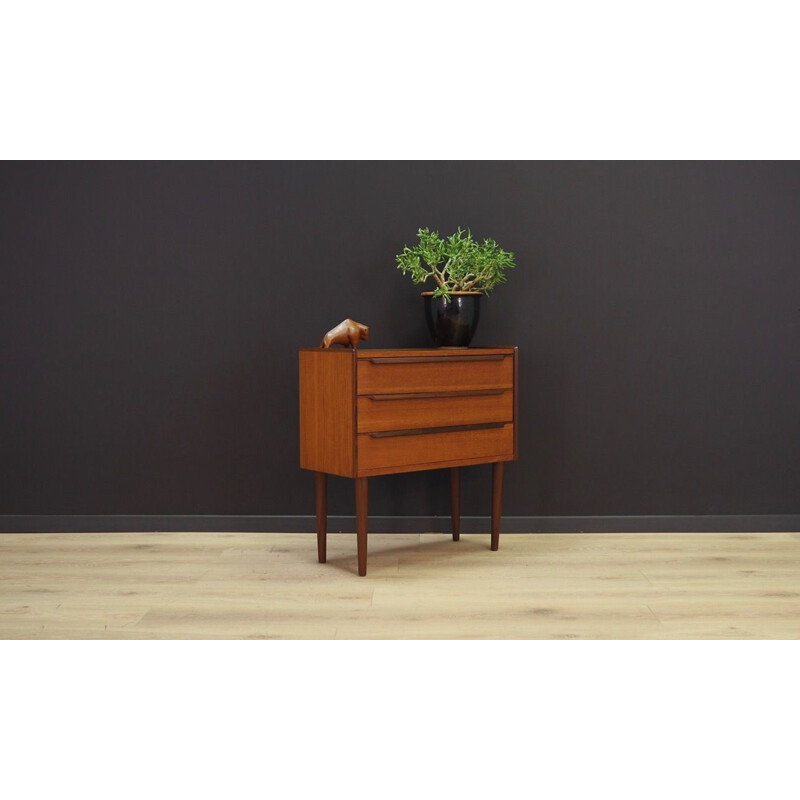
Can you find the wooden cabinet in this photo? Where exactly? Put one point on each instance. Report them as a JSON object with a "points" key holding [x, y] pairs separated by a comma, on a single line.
{"points": [[378, 412]]}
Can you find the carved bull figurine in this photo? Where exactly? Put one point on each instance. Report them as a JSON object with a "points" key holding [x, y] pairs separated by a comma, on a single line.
{"points": [[347, 332]]}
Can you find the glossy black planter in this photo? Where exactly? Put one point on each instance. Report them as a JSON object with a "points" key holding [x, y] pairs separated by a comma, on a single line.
{"points": [[452, 322]]}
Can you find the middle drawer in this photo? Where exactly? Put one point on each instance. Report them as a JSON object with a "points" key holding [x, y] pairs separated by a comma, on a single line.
{"points": [[395, 412]]}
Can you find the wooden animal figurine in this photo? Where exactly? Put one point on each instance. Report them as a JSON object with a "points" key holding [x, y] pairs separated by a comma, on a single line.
{"points": [[347, 332]]}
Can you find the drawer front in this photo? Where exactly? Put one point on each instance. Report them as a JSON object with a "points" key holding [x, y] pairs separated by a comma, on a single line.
{"points": [[409, 451], [434, 374], [390, 412]]}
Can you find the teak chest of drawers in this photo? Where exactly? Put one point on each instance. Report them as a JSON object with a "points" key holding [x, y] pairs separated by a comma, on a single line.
{"points": [[379, 412]]}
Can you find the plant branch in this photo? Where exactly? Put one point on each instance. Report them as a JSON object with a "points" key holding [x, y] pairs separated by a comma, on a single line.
{"points": [[468, 264]]}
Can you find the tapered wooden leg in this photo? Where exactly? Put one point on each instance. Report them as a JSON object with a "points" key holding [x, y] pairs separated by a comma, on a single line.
{"points": [[455, 502], [498, 469], [362, 504], [321, 484]]}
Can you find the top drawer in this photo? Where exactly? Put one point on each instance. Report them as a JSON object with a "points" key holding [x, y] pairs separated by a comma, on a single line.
{"points": [[397, 375]]}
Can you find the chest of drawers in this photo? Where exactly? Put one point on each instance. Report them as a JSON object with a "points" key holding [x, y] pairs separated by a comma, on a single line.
{"points": [[378, 412]]}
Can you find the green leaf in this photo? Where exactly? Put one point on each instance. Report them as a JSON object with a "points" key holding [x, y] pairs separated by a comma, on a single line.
{"points": [[457, 262]]}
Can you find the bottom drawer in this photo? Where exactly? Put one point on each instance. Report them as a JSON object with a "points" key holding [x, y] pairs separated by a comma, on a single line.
{"points": [[398, 451]]}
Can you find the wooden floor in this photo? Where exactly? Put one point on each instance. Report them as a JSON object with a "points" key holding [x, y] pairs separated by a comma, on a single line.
{"points": [[269, 585]]}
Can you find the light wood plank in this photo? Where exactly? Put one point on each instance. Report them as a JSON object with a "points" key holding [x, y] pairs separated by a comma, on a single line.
{"points": [[270, 585]]}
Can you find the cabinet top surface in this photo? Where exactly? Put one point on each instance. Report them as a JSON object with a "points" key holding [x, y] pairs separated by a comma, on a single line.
{"points": [[458, 352]]}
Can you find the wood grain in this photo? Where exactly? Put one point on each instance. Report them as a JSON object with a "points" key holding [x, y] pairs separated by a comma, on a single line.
{"points": [[398, 413], [537, 586], [498, 471], [434, 376], [403, 453], [362, 513], [321, 501], [327, 414], [390, 411], [434, 352]]}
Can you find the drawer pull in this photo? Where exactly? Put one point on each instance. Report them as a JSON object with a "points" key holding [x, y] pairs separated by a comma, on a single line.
{"points": [[449, 429], [426, 395], [430, 359]]}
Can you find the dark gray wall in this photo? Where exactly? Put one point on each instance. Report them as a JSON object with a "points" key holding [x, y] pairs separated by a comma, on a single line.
{"points": [[151, 313]]}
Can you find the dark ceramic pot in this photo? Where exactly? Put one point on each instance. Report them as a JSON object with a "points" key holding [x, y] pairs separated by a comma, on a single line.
{"points": [[452, 322]]}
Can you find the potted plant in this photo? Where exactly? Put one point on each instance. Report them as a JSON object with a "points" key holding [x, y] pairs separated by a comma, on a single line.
{"points": [[464, 270]]}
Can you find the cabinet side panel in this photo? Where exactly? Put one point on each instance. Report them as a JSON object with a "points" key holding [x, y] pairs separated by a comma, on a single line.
{"points": [[327, 395]]}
